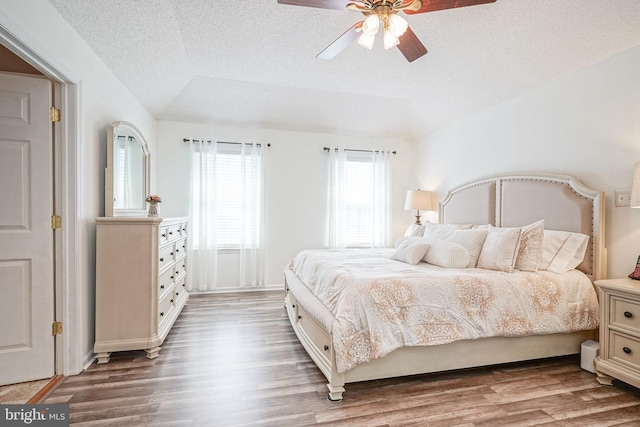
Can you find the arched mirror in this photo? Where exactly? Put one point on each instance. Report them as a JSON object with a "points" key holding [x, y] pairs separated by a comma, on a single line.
{"points": [[128, 170]]}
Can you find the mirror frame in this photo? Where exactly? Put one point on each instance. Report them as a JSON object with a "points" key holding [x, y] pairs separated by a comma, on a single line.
{"points": [[112, 131]]}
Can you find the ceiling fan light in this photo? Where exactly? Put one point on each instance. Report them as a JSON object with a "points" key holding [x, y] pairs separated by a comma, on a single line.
{"points": [[398, 25], [366, 40], [371, 25], [390, 40]]}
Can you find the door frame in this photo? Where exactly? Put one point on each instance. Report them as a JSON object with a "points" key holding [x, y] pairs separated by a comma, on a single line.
{"points": [[68, 266]]}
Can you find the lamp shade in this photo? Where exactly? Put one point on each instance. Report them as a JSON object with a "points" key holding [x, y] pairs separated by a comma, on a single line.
{"points": [[635, 187], [420, 200]]}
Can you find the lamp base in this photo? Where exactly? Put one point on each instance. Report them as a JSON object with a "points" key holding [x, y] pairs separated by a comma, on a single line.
{"points": [[418, 219]]}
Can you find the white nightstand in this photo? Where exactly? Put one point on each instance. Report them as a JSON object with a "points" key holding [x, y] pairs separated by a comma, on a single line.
{"points": [[619, 331]]}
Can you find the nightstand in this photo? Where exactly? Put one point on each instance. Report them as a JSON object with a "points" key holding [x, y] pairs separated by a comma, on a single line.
{"points": [[619, 331]]}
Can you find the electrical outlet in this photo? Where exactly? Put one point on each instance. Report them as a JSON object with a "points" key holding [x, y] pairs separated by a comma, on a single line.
{"points": [[623, 198]]}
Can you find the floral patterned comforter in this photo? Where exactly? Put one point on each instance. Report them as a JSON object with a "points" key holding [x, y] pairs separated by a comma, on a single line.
{"points": [[381, 304]]}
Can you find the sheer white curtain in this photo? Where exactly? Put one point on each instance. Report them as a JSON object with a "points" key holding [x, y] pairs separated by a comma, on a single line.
{"points": [[336, 226], [251, 212], [381, 203], [203, 244], [226, 212], [358, 198]]}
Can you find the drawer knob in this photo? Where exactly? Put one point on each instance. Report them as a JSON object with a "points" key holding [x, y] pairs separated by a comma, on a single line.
{"points": [[299, 317], [161, 286], [628, 314], [293, 306], [171, 233], [626, 350], [177, 293], [164, 234], [162, 313], [326, 347], [161, 259], [171, 301], [177, 250]]}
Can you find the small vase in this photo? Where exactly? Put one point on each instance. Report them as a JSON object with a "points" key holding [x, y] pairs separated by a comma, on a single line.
{"points": [[153, 209]]}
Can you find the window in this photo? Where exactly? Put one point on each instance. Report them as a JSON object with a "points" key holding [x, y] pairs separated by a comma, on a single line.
{"points": [[358, 192], [233, 196], [358, 199]]}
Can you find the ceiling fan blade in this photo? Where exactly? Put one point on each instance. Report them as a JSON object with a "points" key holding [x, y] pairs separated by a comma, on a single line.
{"points": [[322, 4], [341, 42], [433, 5], [410, 46]]}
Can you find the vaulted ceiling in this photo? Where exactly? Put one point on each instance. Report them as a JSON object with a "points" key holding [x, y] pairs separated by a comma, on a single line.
{"points": [[252, 63]]}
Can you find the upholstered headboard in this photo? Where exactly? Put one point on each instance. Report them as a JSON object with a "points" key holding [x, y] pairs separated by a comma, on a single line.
{"points": [[515, 200]]}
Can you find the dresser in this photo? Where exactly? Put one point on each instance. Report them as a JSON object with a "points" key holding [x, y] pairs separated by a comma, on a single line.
{"points": [[619, 331], [141, 268]]}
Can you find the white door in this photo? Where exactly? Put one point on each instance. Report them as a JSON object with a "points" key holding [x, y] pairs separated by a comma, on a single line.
{"points": [[26, 236]]}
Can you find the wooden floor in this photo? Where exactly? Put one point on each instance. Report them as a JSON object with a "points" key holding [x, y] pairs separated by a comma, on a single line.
{"points": [[234, 360]]}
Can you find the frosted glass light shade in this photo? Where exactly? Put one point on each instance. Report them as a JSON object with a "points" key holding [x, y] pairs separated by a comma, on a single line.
{"points": [[635, 187], [398, 25], [366, 41], [371, 25], [390, 40]]}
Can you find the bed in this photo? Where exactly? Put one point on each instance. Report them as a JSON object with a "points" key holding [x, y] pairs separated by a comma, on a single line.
{"points": [[323, 318]]}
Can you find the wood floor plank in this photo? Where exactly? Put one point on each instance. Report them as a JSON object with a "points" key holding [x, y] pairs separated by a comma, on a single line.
{"points": [[233, 360]]}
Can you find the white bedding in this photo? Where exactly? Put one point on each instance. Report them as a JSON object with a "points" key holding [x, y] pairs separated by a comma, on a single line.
{"points": [[381, 304]]}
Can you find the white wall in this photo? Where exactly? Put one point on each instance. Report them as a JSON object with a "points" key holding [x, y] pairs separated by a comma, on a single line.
{"points": [[586, 124], [296, 172], [103, 99]]}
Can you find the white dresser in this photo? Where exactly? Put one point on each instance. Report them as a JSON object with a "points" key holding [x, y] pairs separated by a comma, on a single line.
{"points": [[140, 282], [619, 331]]}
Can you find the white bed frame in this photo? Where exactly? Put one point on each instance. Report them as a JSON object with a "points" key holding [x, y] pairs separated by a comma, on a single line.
{"points": [[502, 200]]}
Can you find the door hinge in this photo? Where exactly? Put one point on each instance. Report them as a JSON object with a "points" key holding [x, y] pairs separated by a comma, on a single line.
{"points": [[56, 328], [54, 114], [56, 221]]}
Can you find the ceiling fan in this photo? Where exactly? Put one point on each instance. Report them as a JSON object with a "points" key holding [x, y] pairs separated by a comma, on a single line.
{"points": [[382, 14]]}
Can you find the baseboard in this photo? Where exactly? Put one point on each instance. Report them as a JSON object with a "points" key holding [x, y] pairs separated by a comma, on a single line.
{"points": [[269, 288]]}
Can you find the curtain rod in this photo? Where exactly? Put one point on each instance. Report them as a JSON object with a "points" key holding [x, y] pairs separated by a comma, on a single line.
{"points": [[353, 149], [225, 142]]}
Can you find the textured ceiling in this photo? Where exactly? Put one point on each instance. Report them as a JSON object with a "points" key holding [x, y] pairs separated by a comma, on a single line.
{"points": [[253, 62]]}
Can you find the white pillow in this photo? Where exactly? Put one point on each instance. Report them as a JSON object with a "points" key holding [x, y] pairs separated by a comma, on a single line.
{"points": [[410, 251], [530, 252], [500, 249], [415, 230], [446, 254], [472, 240], [442, 231], [562, 250]]}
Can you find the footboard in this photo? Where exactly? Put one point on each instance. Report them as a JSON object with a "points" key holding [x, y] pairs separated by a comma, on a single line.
{"points": [[313, 332]]}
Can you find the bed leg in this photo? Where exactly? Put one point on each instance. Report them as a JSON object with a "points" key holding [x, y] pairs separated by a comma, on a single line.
{"points": [[335, 393]]}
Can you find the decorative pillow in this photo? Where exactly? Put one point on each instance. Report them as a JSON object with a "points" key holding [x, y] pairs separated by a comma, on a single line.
{"points": [[472, 240], [562, 250], [415, 230], [443, 231], [446, 254], [530, 252], [410, 251], [500, 249]]}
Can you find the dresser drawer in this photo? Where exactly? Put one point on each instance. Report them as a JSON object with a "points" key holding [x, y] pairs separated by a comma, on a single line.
{"points": [[180, 248], [165, 282], [166, 305], [180, 287], [165, 256], [625, 350], [625, 314]]}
